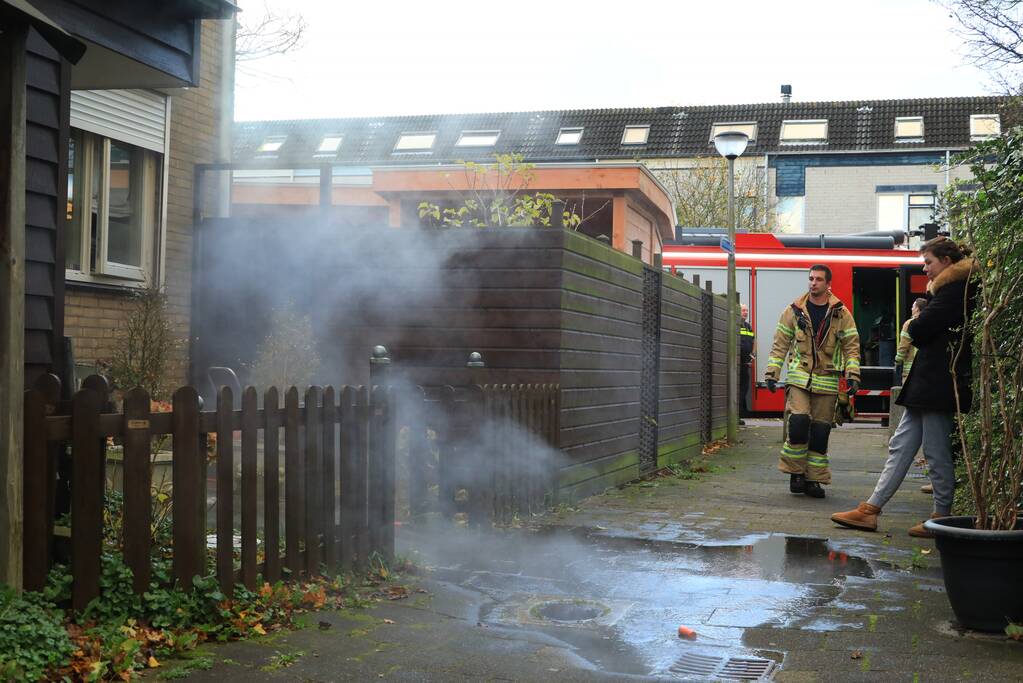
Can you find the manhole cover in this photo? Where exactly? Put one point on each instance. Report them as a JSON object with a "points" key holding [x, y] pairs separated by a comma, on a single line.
{"points": [[721, 668], [570, 611]]}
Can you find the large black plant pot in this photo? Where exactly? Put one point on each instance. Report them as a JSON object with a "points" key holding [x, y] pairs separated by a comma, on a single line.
{"points": [[983, 572]]}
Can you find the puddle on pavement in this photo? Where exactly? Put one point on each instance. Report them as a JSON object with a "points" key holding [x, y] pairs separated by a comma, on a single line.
{"points": [[619, 602]]}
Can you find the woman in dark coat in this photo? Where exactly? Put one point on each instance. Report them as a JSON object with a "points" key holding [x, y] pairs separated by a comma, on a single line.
{"points": [[929, 393]]}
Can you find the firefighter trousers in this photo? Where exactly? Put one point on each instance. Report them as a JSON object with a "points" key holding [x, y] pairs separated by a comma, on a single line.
{"points": [[805, 450]]}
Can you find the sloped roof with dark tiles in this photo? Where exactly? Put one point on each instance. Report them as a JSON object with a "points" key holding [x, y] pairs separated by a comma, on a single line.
{"points": [[853, 126]]}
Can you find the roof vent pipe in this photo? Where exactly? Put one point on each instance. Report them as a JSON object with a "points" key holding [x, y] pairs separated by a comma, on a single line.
{"points": [[786, 94]]}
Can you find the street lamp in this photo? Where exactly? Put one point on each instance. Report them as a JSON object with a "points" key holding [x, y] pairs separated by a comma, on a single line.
{"points": [[731, 145]]}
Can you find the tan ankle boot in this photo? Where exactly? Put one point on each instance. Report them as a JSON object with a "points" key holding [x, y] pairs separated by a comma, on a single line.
{"points": [[918, 530], [864, 517]]}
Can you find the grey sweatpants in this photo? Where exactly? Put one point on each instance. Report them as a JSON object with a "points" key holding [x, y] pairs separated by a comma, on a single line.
{"points": [[933, 429]]}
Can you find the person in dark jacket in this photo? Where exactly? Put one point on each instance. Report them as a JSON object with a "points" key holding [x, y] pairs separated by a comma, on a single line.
{"points": [[746, 341], [937, 386]]}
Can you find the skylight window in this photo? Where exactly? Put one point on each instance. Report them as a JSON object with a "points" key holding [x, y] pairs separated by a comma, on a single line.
{"points": [[569, 136], [909, 128], [478, 138], [635, 135], [329, 145], [415, 142], [804, 132], [985, 126], [747, 127], [271, 144]]}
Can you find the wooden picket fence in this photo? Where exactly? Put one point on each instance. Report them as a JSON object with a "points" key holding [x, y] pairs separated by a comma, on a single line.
{"points": [[497, 450], [320, 528]]}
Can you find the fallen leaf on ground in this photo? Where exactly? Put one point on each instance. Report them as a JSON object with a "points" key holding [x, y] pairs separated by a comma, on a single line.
{"points": [[152, 663], [856, 655], [388, 621], [258, 628], [925, 551]]}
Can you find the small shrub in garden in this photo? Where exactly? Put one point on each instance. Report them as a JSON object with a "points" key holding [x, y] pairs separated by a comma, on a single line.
{"points": [[33, 639]]}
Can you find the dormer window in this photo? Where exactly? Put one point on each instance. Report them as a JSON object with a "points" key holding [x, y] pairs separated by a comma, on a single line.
{"points": [[635, 135], [569, 136], [985, 126], [415, 142], [804, 132], [909, 129], [271, 144], [478, 138], [747, 127], [329, 145]]}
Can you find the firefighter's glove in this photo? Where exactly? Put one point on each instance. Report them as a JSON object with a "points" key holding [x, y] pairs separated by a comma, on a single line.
{"points": [[852, 386], [772, 385]]}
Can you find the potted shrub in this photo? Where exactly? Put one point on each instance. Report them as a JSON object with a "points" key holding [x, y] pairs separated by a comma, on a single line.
{"points": [[982, 550]]}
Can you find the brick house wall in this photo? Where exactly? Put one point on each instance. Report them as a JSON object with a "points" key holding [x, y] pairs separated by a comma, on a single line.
{"points": [[93, 317]]}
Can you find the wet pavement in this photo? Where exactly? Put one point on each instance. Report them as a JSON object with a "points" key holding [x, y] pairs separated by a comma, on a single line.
{"points": [[763, 584]]}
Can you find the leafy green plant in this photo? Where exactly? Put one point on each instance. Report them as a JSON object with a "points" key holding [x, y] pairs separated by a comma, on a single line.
{"points": [[32, 636], [497, 196], [989, 219]]}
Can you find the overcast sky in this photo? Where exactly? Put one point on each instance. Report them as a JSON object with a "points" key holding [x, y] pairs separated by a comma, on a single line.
{"points": [[382, 58]]}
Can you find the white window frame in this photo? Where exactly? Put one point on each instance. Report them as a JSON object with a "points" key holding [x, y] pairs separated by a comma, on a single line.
{"points": [[323, 151], [271, 145], [737, 126], [152, 217], [399, 149], [483, 138], [977, 137], [909, 138], [646, 137], [907, 206], [804, 141], [571, 130]]}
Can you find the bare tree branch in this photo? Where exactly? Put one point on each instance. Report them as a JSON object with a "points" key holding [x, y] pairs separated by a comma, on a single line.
{"points": [[267, 32]]}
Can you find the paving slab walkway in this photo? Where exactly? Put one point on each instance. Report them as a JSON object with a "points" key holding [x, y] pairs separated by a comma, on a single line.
{"points": [[757, 572]]}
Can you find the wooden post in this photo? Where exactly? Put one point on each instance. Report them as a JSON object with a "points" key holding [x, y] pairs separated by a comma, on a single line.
{"points": [[12, 297], [225, 490], [189, 473], [292, 485], [313, 475], [86, 498], [137, 505], [271, 486], [328, 480], [250, 436]]}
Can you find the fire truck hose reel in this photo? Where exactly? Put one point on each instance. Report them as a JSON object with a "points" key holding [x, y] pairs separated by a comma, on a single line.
{"points": [[799, 428], [819, 432]]}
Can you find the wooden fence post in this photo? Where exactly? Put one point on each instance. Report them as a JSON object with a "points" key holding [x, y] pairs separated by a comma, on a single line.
{"points": [[189, 477], [250, 485], [137, 485], [293, 527], [86, 497], [271, 486], [39, 472], [313, 474], [225, 490], [328, 480], [349, 476]]}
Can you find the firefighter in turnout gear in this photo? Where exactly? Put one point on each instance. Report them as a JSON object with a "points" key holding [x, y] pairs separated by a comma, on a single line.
{"points": [[818, 335]]}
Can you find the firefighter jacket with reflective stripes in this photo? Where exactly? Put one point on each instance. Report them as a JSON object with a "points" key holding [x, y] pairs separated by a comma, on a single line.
{"points": [[906, 351], [816, 361], [746, 339]]}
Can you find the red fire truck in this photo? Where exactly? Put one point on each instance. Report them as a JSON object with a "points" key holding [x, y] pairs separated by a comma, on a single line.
{"points": [[873, 277]]}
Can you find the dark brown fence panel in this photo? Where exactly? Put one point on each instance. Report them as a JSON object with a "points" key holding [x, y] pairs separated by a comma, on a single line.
{"points": [[39, 481], [271, 486], [225, 490], [349, 476], [293, 526], [601, 362], [719, 372], [86, 497], [313, 472], [137, 487], [360, 484], [328, 482], [189, 479], [681, 359], [249, 485]]}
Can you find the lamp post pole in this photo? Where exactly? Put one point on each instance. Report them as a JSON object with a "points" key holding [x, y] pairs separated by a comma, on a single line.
{"points": [[733, 330], [731, 145]]}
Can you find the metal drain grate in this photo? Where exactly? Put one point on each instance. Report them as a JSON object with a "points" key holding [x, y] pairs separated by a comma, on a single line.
{"points": [[719, 668]]}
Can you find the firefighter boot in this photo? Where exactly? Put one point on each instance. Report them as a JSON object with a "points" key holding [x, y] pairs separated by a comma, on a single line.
{"points": [[814, 489], [864, 517], [797, 483]]}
